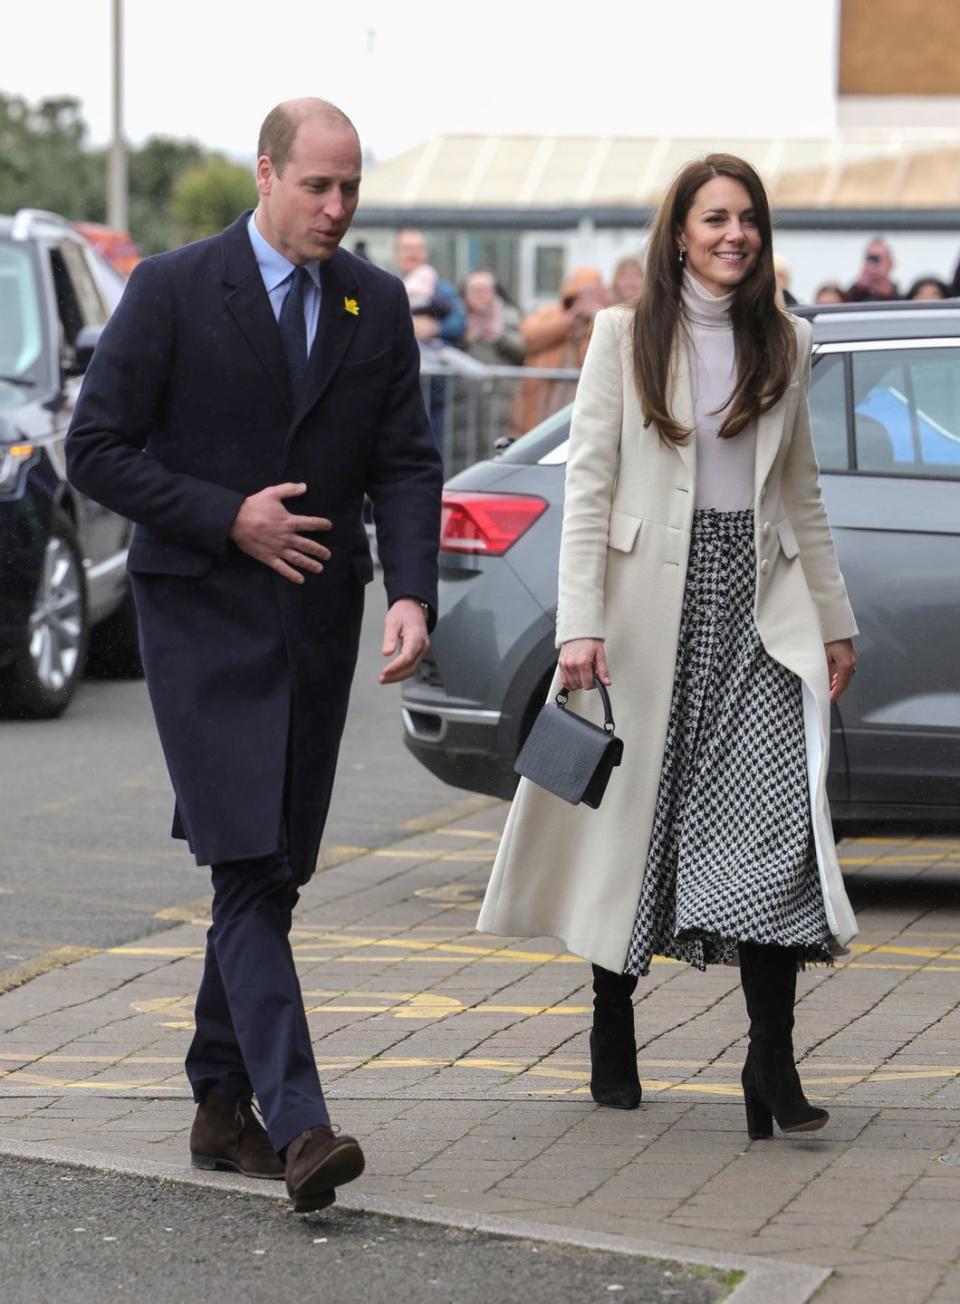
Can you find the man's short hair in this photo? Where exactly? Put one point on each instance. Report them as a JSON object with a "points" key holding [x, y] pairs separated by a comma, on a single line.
{"points": [[280, 127]]}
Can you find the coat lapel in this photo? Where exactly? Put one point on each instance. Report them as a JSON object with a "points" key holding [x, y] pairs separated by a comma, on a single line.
{"points": [[335, 330], [769, 435], [248, 304], [681, 405]]}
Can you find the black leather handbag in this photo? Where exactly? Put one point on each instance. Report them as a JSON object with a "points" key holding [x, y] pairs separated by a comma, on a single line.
{"points": [[568, 755]]}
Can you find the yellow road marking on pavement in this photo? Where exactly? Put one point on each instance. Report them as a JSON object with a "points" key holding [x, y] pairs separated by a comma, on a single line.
{"points": [[441, 952], [518, 1069], [188, 912], [903, 842], [390, 853], [924, 952], [332, 856], [447, 948], [881, 1075], [57, 1058], [152, 1087], [890, 964], [480, 854]]}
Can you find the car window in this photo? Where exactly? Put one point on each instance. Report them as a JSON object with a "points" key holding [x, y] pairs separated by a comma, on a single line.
{"points": [[828, 412], [78, 300], [907, 411], [88, 292], [21, 325]]}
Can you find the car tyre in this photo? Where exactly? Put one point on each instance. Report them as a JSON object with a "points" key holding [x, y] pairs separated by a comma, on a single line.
{"points": [[46, 670], [115, 644]]}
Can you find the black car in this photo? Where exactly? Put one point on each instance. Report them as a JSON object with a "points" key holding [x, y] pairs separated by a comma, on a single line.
{"points": [[64, 592]]}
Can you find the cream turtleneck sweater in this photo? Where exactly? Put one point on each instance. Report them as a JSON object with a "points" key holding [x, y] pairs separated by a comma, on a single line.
{"points": [[724, 466]]}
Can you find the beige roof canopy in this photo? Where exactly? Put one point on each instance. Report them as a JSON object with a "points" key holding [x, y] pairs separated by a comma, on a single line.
{"points": [[844, 171]]}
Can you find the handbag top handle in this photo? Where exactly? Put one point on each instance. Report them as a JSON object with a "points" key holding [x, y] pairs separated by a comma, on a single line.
{"points": [[564, 694]]}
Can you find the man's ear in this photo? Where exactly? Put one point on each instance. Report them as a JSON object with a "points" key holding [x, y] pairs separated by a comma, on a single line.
{"points": [[264, 174]]}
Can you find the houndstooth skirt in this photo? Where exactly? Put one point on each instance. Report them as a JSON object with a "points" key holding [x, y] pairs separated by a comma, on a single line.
{"points": [[731, 855]]}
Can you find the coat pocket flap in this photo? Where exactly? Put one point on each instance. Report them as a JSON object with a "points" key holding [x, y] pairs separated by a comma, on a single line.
{"points": [[158, 557], [623, 531], [788, 540]]}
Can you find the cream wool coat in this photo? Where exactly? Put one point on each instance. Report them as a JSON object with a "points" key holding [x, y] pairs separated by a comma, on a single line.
{"points": [[575, 873]]}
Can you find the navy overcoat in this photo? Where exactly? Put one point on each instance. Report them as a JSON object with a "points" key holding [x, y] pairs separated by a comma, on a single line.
{"points": [[186, 410]]}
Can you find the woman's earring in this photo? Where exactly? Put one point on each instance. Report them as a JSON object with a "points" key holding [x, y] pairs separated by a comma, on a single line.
{"points": [[682, 256]]}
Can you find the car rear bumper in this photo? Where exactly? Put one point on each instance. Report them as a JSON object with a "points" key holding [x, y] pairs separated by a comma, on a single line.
{"points": [[428, 722], [458, 743]]}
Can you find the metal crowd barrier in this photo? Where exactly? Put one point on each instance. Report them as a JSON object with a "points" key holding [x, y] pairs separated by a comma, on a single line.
{"points": [[472, 405]]}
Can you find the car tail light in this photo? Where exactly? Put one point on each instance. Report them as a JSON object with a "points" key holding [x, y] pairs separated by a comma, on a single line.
{"points": [[486, 523]]}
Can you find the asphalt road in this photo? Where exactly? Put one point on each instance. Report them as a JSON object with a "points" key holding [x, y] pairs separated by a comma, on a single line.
{"points": [[82, 1237], [86, 857]]}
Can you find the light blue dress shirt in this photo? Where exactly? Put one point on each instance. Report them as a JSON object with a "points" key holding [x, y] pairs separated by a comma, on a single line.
{"points": [[276, 272]]}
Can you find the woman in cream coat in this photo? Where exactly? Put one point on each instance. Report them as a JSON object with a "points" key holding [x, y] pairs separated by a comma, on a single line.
{"points": [[698, 576]]}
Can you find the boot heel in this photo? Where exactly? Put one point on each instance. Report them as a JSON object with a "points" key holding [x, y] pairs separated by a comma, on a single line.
{"points": [[206, 1162], [759, 1118]]}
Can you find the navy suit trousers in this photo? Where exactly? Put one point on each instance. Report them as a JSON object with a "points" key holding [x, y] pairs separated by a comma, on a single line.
{"points": [[251, 1026]]}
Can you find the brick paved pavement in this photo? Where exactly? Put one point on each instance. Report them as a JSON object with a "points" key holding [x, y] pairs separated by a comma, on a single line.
{"points": [[461, 1060]]}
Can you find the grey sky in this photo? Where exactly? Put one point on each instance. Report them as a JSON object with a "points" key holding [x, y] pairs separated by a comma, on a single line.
{"points": [[211, 68]]}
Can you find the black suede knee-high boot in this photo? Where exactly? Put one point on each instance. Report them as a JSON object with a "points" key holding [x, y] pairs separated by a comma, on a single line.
{"points": [[614, 1080], [771, 1084]]}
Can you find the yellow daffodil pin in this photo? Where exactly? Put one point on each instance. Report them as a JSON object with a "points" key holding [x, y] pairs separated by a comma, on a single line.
{"points": [[352, 306]]}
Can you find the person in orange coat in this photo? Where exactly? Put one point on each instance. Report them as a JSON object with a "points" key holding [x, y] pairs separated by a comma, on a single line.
{"points": [[556, 336]]}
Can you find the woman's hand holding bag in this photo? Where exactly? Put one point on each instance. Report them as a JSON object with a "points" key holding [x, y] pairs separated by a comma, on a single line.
{"points": [[581, 661]]}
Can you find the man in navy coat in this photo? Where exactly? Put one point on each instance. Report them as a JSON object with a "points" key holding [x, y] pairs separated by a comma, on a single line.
{"points": [[248, 392]]}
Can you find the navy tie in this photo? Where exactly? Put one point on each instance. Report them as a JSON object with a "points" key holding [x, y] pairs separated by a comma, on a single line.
{"points": [[293, 329]]}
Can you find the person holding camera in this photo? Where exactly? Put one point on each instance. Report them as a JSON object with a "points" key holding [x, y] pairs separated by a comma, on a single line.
{"points": [[874, 281], [698, 577]]}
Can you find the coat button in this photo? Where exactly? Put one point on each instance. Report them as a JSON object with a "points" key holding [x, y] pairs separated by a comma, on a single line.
{"points": [[764, 566], [766, 527]]}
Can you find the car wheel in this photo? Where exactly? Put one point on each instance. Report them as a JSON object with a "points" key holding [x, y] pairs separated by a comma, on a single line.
{"points": [[46, 670], [115, 644]]}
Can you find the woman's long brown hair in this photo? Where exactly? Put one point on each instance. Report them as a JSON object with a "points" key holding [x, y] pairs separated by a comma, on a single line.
{"points": [[764, 339]]}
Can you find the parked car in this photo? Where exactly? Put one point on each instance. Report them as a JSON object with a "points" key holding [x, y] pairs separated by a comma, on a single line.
{"points": [[64, 591], [885, 410]]}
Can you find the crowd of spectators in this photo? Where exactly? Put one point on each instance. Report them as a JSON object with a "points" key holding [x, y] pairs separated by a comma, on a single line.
{"points": [[469, 330], [876, 283]]}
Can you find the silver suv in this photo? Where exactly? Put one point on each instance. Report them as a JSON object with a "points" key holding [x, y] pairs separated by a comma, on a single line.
{"points": [[885, 408]]}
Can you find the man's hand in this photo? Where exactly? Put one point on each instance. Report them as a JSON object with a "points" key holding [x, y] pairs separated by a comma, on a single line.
{"points": [[841, 665], [264, 529], [580, 660], [404, 631]]}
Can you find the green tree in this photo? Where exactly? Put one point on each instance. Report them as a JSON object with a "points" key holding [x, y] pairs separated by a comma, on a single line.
{"points": [[210, 195], [177, 190], [46, 162], [153, 170]]}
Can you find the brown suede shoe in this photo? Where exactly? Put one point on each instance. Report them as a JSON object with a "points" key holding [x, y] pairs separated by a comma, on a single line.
{"points": [[317, 1161], [227, 1136]]}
